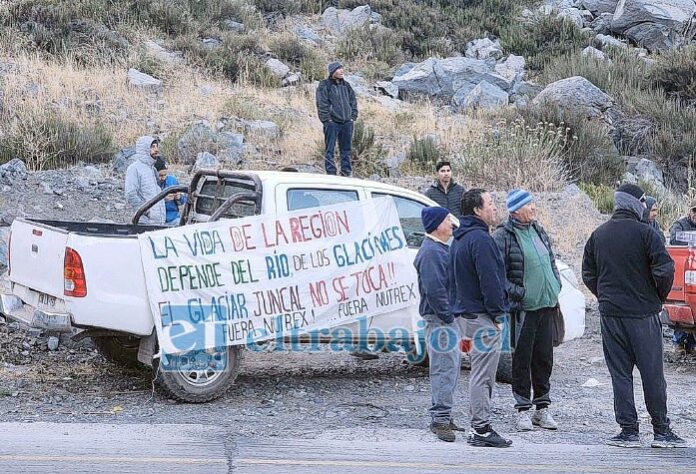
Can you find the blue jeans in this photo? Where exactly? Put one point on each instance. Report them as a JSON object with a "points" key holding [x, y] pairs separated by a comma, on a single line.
{"points": [[343, 133], [685, 339]]}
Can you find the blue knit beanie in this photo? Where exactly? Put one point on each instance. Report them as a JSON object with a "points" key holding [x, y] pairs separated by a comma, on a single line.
{"points": [[432, 217], [517, 198]]}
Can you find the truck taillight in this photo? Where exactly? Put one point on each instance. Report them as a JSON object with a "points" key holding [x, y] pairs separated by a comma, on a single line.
{"points": [[75, 283]]}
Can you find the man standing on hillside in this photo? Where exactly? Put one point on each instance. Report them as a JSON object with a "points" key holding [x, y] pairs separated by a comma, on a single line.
{"points": [[445, 191], [338, 109], [141, 181], [628, 269], [441, 332], [533, 285], [478, 301]]}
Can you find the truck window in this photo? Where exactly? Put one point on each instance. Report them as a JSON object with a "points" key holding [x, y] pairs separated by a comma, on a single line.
{"points": [[410, 217], [305, 198], [212, 194]]}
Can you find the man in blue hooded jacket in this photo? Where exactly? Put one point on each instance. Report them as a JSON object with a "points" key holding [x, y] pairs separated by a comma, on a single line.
{"points": [[478, 300]]}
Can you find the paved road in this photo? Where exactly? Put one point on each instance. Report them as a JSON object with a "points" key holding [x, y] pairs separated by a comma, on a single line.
{"points": [[140, 448]]}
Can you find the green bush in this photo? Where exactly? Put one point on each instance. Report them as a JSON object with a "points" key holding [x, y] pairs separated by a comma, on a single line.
{"points": [[294, 52], [602, 196], [543, 39], [424, 153], [589, 152], [514, 154], [367, 154], [46, 140], [370, 44], [675, 73]]}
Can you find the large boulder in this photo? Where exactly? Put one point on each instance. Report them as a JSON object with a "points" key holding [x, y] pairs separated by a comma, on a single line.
{"points": [[576, 95], [419, 79], [454, 74], [277, 68], [597, 7], [123, 159], [654, 24], [230, 147], [205, 160], [339, 21], [602, 24], [484, 96], [484, 48], [13, 171], [199, 136], [143, 81]]}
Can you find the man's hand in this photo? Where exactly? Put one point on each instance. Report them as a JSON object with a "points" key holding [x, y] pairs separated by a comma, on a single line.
{"points": [[170, 197]]}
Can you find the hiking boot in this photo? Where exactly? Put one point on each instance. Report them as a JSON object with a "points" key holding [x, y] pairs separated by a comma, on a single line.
{"points": [[543, 419], [524, 421], [487, 438], [454, 427], [625, 439], [443, 431], [667, 439]]}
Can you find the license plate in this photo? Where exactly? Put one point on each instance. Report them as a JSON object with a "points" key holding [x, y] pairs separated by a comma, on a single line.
{"points": [[47, 300]]}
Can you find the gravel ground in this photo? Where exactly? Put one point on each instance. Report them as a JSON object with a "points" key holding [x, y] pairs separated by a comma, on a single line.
{"points": [[319, 395]]}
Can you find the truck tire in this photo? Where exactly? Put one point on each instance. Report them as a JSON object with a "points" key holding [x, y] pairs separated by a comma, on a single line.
{"points": [[119, 350], [193, 379]]}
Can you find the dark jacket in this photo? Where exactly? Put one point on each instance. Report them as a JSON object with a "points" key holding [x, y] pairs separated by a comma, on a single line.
{"points": [[336, 101], [513, 257], [431, 263], [683, 224], [627, 267], [449, 200], [476, 272]]}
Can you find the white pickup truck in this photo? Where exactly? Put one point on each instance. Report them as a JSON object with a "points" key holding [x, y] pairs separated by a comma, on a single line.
{"points": [[68, 276]]}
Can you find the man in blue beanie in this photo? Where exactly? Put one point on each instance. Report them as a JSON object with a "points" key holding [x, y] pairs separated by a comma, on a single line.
{"points": [[441, 333], [338, 109], [533, 285], [627, 267]]}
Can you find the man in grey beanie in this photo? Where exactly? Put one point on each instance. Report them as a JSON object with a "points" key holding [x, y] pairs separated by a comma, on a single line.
{"points": [[338, 109], [627, 267]]}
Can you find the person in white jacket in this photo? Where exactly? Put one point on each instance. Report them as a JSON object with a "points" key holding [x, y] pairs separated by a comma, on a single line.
{"points": [[141, 181]]}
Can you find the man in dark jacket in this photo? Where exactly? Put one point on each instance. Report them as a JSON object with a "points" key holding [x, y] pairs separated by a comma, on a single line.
{"points": [[478, 301], [628, 269], [441, 331], [686, 223], [445, 191], [338, 109], [533, 284]]}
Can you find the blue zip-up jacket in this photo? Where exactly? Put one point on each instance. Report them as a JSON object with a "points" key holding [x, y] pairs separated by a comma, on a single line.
{"points": [[431, 263], [172, 206], [476, 272]]}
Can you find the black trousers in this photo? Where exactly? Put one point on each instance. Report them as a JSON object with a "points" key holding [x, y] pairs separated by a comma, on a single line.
{"points": [[532, 360], [629, 343]]}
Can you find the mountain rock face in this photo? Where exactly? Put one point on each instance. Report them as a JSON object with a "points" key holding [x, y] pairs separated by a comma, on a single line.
{"points": [[654, 24]]}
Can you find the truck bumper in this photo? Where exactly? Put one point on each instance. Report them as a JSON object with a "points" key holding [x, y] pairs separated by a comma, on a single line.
{"points": [[680, 315], [14, 308]]}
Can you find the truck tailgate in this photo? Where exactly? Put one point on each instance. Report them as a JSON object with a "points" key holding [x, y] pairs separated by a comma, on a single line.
{"points": [[36, 253]]}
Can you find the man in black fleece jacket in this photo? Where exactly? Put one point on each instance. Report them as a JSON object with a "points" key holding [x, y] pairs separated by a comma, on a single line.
{"points": [[628, 269], [338, 109], [441, 332]]}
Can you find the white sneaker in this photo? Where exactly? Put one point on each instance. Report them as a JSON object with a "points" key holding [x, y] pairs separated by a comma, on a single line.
{"points": [[543, 419], [524, 421]]}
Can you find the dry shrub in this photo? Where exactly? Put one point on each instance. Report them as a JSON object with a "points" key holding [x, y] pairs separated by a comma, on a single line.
{"points": [[514, 154]]}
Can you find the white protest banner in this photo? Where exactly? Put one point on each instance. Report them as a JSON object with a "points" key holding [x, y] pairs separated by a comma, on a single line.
{"points": [[243, 280]]}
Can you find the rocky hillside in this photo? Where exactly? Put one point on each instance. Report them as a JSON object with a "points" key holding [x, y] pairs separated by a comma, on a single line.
{"points": [[535, 94]]}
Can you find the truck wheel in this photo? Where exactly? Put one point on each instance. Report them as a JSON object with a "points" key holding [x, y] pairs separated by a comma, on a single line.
{"points": [[120, 350], [504, 372], [199, 376]]}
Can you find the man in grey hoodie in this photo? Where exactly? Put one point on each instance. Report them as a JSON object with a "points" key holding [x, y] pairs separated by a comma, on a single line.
{"points": [[141, 181], [338, 109]]}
